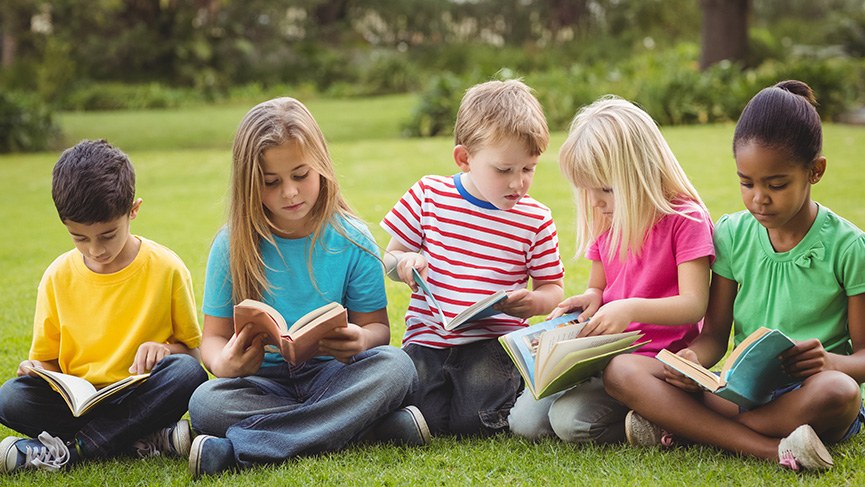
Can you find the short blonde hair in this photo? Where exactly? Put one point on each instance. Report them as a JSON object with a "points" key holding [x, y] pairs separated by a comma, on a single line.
{"points": [[268, 125], [614, 144], [500, 110]]}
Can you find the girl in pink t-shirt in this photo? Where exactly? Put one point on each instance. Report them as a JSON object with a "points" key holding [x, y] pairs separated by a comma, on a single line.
{"points": [[649, 237]]}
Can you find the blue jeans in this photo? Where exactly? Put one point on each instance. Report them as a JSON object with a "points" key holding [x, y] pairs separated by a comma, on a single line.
{"points": [[288, 410], [29, 405], [465, 390], [583, 413]]}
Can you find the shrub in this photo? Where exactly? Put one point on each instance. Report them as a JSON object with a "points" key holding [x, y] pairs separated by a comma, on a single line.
{"points": [[26, 124], [436, 111], [118, 96]]}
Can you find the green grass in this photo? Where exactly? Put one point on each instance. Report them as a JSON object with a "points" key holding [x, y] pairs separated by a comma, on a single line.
{"points": [[182, 162]]}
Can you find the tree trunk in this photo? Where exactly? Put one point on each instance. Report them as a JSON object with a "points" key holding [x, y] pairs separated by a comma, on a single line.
{"points": [[725, 31], [10, 49]]}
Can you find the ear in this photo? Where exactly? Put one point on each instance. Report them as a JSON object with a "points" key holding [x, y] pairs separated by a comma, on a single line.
{"points": [[136, 205], [818, 169], [461, 157]]}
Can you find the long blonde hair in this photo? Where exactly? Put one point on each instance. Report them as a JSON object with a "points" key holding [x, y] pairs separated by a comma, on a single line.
{"points": [[268, 125], [614, 144]]}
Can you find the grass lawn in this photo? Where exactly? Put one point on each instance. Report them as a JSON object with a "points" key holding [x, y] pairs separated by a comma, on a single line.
{"points": [[182, 162]]}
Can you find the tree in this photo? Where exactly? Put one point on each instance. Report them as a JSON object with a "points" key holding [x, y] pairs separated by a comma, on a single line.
{"points": [[725, 31]]}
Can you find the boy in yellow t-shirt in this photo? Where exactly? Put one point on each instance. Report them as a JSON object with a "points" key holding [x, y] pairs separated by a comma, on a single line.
{"points": [[116, 305]]}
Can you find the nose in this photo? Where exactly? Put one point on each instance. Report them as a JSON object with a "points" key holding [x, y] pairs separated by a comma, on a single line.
{"points": [[760, 197], [96, 249], [288, 190]]}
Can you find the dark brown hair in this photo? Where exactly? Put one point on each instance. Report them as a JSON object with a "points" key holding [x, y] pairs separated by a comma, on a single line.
{"points": [[93, 182]]}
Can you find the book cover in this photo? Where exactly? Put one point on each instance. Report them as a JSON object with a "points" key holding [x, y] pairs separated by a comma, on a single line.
{"points": [[477, 311], [551, 358], [78, 394], [749, 375], [298, 342]]}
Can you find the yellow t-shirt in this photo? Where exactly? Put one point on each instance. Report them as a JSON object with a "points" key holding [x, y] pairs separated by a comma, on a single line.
{"points": [[94, 323]]}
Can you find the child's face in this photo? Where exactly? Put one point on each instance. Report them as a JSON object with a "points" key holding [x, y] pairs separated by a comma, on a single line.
{"points": [[107, 247], [500, 174], [776, 189], [290, 189], [602, 200]]}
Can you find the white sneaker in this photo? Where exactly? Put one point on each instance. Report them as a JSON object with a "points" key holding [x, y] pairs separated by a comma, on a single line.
{"points": [[44, 452], [174, 440], [803, 448]]}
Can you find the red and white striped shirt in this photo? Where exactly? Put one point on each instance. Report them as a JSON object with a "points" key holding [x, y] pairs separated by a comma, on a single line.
{"points": [[473, 250]]}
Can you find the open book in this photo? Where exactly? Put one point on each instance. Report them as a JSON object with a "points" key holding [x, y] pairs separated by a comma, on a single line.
{"points": [[479, 310], [551, 358], [297, 343], [750, 373], [79, 394]]}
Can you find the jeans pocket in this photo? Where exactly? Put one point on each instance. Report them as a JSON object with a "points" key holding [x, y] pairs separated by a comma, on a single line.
{"points": [[495, 419]]}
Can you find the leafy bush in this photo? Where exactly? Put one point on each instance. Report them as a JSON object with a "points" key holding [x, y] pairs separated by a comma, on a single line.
{"points": [[26, 124], [436, 111], [118, 96], [667, 84]]}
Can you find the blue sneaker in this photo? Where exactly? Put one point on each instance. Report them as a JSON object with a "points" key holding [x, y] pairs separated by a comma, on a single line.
{"points": [[210, 455], [173, 441], [405, 426], [44, 452]]}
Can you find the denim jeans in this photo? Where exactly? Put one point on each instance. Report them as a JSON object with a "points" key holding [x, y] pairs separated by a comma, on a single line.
{"points": [[288, 410], [29, 405], [465, 390], [583, 413]]}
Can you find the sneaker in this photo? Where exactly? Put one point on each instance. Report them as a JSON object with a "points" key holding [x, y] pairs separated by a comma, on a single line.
{"points": [[44, 452], [642, 432], [405, 426], [173, 440], [210, 455], [803, 448]]}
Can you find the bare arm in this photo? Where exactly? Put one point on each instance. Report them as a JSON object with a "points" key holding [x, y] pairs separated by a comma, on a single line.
{"points": [[686, 307]]}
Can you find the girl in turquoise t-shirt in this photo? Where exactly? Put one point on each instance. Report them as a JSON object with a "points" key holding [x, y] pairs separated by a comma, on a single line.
{"points": [[785, 263], [293, 242]]}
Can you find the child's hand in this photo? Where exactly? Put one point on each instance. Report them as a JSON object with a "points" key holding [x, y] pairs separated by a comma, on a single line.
{"points": [[588, 302], [678, 379], [147, 356], [612, 317], [344, 343], [806, 358], [242, 354], [29, 363], [520, 303], [410, 260]]}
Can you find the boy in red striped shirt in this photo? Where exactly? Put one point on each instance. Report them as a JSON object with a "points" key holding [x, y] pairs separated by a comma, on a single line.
{"points": [[470, 235]]}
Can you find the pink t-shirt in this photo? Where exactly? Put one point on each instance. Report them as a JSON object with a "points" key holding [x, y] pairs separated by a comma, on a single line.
{"points": [[654, 273]]}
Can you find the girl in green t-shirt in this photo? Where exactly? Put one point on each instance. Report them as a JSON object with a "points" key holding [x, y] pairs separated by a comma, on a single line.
{"points": [[785, 263]]}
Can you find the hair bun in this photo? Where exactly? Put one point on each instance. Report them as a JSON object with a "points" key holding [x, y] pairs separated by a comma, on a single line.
{"points": [[800, 88]]}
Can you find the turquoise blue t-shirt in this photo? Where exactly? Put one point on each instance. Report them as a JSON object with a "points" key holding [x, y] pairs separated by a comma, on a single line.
{"points": [[802, 292], [344, 273]]}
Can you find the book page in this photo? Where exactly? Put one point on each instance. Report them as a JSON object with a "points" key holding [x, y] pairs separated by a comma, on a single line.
{"points": [[692, 370], [431, 302], [479, 310], [263, 318], [323, 313], [564, 354]]}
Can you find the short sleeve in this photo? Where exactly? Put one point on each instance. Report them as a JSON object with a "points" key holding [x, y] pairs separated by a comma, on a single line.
{"points": [[403, 221], [852, 267], [183, 313], [693, 237], [365, 291], [218, 299], [723, 245], [46, 329], [545, 263]]}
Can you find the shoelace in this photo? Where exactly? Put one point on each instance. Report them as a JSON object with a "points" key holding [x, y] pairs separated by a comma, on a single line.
{"points": [[153, 444], [788, 460], [53, 455]]}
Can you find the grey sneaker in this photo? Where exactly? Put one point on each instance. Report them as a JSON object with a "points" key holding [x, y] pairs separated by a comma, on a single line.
{"points": [[803, 448], [44, 452], [642, 432], [173, 440], [405, 426]]}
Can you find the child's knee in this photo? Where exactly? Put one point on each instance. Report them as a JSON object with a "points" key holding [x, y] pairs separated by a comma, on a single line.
{"points": [[620, 372], [529, 418], [836, 392]]}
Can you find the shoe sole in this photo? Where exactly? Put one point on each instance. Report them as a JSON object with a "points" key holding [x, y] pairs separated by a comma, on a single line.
{"points": [[635, 430], [181, 437], [195, 455], [420, 423], [9, 453]]}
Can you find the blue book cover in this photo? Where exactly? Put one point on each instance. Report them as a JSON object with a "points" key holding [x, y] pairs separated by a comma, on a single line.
{"points": [[478, 311]]}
